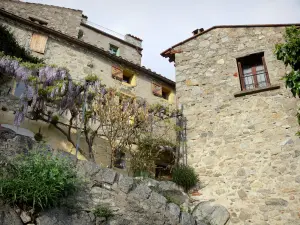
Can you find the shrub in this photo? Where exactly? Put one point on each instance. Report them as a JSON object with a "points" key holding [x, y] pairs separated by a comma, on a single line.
{"points": [[184, 176], [38, 136], [38, 180], [103, 211]]}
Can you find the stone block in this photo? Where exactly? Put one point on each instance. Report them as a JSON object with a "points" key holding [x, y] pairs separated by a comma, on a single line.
{"points": [[125, 183], [174, 210], [141, 192], [105, 175], [276, 202], [187, 219]]}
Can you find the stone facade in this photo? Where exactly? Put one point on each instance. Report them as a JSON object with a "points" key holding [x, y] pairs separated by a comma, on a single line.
{"points": [[61, 19], [82, 62], [244, 148], [132, 52]]}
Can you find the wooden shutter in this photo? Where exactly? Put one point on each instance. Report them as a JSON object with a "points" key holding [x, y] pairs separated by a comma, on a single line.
{"points": [[157, 89], [266, 71], [117, 73], [38, 43], [242, 79]]}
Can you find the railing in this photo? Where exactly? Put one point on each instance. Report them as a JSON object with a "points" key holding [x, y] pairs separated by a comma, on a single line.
{"points": [[260, 79], [106, 30]]}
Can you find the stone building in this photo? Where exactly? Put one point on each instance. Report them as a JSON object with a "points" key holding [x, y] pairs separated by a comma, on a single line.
{"points": [[241, 121], [65, 38]]}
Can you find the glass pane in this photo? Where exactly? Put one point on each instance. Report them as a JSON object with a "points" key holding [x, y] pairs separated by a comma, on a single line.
{"points": [[261, 76], [248, 78]]}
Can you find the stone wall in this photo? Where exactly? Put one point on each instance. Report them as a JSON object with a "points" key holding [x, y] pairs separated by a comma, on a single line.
{"points": [[61, 19], [244, 148], [92, 36], [81, 62], [133, 201]]}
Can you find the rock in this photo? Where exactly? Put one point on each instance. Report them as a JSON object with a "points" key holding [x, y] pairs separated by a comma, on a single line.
{"points": [[207, 213], [157, 200], [276, 201], [221, 61], [125, 183], [141, 192], [8, 216], [174, 210], [63, 217], [297, 179], [187, 219], [178, 196], [25, 217], [242, 194], [241, 172], [87, 168], [244, 215], [168, 185], [288, 141], [105, 175]]}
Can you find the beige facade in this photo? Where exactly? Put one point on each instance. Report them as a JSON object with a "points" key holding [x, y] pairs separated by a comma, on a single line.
{"points": [[81, 58], [242, 143]]}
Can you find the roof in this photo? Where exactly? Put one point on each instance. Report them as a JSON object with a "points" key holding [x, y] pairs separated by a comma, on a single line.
{"points": [[88, 46], [169, 53]]}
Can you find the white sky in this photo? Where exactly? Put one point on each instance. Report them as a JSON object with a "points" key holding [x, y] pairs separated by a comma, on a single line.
{"points": [[163, 23]]}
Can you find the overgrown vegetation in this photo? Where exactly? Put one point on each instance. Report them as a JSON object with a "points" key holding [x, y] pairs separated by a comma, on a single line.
{"points": [[10, 46], [185, 176], [289, 53], [103, 211], [149, 151], [38, 180]]}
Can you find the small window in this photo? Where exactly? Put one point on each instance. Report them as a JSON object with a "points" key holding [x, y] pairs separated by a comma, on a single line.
{"points": [[161, 91], [166, 93], [114, 50], [129, 77], [19, 89], [38, 43], [253, 72]]}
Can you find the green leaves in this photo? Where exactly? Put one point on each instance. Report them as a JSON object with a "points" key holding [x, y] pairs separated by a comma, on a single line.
{"points": [[38, 180], [185, 176]]}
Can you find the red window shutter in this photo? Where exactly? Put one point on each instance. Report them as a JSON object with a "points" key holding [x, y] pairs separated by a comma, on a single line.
{"points": [[38, 43], [157, 89], [242, 79], [266, 71], [117, 73]]}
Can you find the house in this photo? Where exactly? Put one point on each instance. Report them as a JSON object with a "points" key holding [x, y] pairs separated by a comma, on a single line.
{"points": [[65, 37], [241, 121]]}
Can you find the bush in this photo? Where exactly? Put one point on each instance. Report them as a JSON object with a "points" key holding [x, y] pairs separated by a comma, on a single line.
{"points": [[185, 176], [38, 180], [103, 211]]}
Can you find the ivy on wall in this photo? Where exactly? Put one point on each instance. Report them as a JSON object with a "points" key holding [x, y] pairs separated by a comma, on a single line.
{"points": [[9, 46]]}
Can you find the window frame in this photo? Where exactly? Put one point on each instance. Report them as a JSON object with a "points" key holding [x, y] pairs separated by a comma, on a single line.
{"points": [[258, 56], [111, 47]]}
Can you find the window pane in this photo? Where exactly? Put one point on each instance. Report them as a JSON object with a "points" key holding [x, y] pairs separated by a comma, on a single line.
{"points": [[248, 78], [261, 76], [20, 88]]}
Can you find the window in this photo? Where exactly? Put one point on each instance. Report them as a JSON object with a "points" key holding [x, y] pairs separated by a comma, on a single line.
{"points": [[114, 50], [19, 89], [253, 72], [38, 43], [161, 91], [126, 76]]}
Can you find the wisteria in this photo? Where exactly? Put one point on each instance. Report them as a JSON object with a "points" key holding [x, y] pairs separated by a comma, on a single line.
{"points": [[44, 84]]}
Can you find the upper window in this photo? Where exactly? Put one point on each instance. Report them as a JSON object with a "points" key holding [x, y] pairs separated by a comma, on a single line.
{"points": [[161, 91], [253, 72], [125, 75], [114, 50], [38, 43]]}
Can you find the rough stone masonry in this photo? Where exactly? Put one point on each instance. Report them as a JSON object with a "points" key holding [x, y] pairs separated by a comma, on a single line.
{"points": [[244, 148]]}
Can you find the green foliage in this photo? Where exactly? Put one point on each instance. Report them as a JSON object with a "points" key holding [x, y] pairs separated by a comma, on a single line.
{"points": [[91, 78], [185, 176], [38, 180], [289, 53], [10, 46], [55, 119], [38, 137], [103, 211], [148, 151]]}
